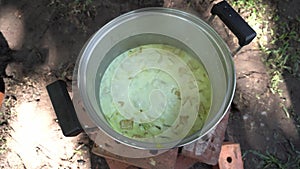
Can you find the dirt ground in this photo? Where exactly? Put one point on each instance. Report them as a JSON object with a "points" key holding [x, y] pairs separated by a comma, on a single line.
{"points": [[47, 37]]}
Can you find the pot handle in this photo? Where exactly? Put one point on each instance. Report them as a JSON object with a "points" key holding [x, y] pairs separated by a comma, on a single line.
{"points": [[234, 22], [64, 108]]}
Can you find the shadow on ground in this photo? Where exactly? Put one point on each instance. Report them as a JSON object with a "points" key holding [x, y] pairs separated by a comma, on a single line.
{"points": [[46, 37], [261, 121], [50, 34]]}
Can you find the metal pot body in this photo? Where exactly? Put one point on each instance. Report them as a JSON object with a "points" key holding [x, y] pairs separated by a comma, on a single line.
{"points": [[152, 26]]}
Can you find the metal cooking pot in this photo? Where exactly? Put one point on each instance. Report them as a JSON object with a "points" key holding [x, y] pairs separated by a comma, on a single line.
{"points": [[142, 27]]}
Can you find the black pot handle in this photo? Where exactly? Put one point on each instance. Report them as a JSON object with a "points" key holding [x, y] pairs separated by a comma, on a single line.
{"points": [[234, 22], [64, 108]]}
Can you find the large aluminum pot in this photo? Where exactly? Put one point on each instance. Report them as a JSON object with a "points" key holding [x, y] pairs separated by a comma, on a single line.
{"points": [[156, 26], [99, 87]]}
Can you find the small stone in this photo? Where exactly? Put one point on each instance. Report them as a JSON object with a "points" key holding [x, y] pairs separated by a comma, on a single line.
{"points": [[152, 162], [68, 77], [80, 161], [252, 124], [263, 113], [245, 117]]}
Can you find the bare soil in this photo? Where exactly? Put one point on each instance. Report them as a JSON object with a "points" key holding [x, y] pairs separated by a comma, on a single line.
{"points": [[47, 37]]}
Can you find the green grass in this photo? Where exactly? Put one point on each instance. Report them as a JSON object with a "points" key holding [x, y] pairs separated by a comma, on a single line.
{"points": [[283, 56], [277, 37], [72, 7], [3, 145], [5, 114], [270, 161], [76, 12]]}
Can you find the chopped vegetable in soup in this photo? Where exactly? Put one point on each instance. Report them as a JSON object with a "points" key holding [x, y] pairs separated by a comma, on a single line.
{"points": [[141, 92]]}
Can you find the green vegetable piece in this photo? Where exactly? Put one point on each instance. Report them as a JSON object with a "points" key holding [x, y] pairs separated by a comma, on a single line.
{"points": [[126, 124]]}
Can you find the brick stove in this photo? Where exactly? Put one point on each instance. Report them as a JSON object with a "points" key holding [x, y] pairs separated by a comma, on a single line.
{"points": [[210, 151]]}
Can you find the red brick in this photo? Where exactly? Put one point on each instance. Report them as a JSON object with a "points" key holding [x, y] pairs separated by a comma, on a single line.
{"points": [[114, 164], [184, 162], [210, 154], [161, 161], [210, 148], [1, 98], [230, 156]]}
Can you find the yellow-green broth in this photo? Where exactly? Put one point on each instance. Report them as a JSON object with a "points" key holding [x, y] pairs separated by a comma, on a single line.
{"points": [[154, 96]]}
